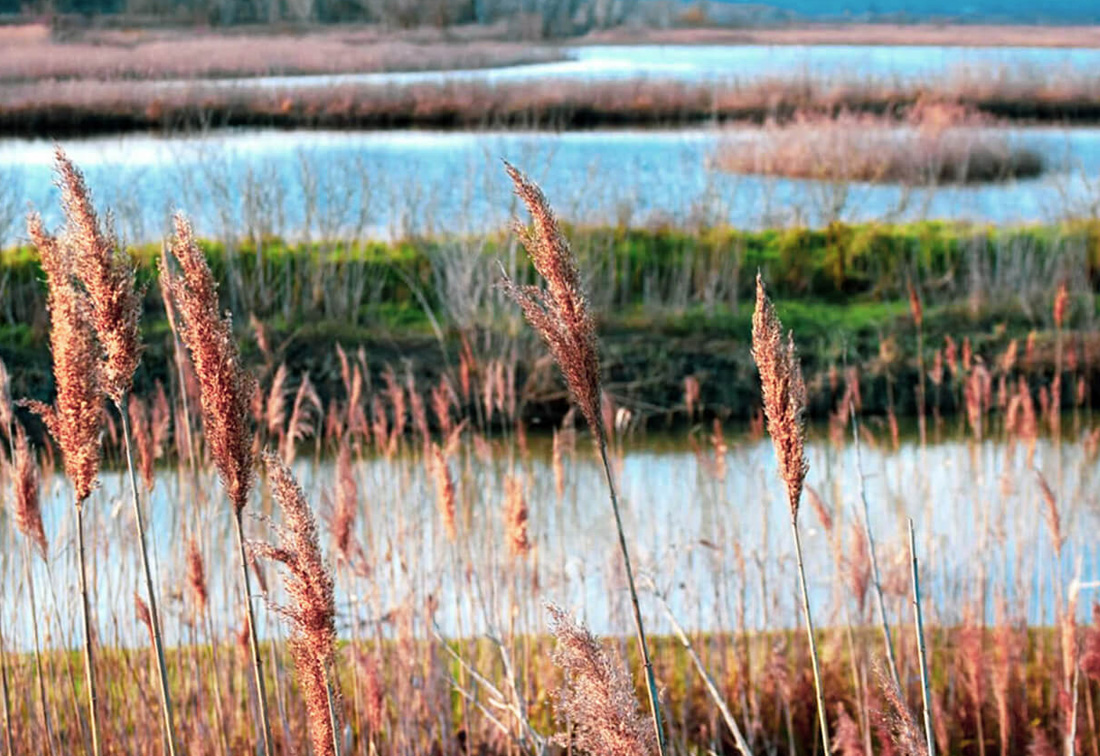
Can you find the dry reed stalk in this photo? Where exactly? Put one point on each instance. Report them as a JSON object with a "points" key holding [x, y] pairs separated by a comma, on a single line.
{"points": [[75, 418], [108, 275], [784, 396], [916, 309], [712, 687], [867, 548], [305, 417], [225, 391], [561, 316], [918, 623], [311, 611], [27, 481], [597, 695]]}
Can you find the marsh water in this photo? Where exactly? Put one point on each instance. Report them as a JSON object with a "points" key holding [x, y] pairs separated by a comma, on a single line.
{"points": [[709, 528], [390, 184]]}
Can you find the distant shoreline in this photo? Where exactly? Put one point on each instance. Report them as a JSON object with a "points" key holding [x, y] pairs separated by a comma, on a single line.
{"points": [[862, 34]]}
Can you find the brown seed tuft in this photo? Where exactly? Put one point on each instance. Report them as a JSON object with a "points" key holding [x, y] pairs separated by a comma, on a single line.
{"points": [[74, 419], [196, 576], [597, 695], [784, 394], [27, 480], [515, 517], [444, 490], [311, 609], [559, 313], [226, 388], [108, 276]]}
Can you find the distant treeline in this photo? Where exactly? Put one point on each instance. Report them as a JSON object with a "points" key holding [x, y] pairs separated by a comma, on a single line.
{"points": [[546, 17]]}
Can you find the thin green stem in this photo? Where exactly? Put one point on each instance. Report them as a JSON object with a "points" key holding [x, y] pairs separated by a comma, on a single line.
{"points": [[651, 683], [925, 692], [37, 655], [89, 661], [158, 642], [253, 640], [821, 713]]}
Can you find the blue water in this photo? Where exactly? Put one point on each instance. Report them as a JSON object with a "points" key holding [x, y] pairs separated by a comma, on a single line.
{"points": [[387, 184], [977, 509]]}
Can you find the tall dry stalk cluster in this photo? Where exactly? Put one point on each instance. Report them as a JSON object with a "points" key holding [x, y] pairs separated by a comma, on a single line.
{"points": [[435, 494]]}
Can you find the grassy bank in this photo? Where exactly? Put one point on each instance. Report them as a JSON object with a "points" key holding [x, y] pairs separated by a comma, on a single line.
{"points": [[671, 304]]}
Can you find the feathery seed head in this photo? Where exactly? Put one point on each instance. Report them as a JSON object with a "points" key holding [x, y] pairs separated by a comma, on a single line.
{"points": [[226, 388], [311, 610], [108, 277], [559, 313], [74, 419], [597, 695], [784, 394], [196, 576], [27, 480]]}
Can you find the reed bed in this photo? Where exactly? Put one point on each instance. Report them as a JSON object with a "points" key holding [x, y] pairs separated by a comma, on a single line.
{"points": [[935, 145], [150, 55], [410, 534], [97, 107]]}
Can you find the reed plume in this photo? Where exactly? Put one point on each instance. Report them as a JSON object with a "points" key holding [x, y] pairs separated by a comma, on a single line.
{"points": [[311, 611], [560, 315], [27, 481], [597, 695], [196, 576], [784, 396], [225, 393], [226, 388], [108, 276], [75, 418]]}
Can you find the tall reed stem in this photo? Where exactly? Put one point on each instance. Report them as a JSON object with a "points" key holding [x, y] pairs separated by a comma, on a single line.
{"points": [[89, 661], [708, 681], [37, 656], [651, 683], [253, 641], [330, 698], [821, 712], [876, 581], [139, 524], [4, 681], [926, 696]]}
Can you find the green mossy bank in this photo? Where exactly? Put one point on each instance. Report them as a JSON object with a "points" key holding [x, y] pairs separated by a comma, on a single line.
{"points": [[671, 303]]}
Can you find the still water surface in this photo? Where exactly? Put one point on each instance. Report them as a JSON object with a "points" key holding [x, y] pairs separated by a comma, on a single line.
{"points": [[712, 530], [389, 184]]}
